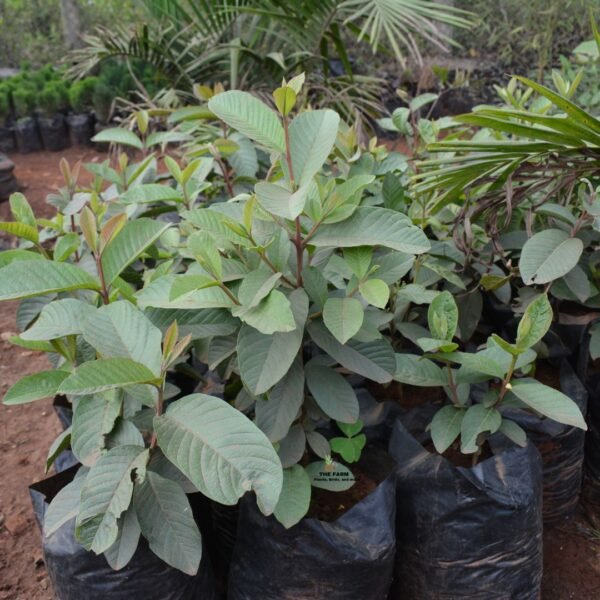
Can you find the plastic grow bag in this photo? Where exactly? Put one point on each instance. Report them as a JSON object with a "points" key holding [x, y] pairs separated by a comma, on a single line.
{"points": [[561, 448], [7, 140], [8, 182], [463, 533], [349, 559], [28, 137], [77, 574], [81, 129], [54, 132]]}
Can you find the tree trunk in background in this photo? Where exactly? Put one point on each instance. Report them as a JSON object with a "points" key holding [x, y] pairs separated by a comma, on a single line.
{"points": [[71, 24]]}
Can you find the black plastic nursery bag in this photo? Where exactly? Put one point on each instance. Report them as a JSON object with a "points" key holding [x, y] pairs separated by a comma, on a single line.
{"points": [[463, 533], [81, 128], [54, 132], [77, 574], [7, 140], [349, 559], [561, 448], [28, 137]]}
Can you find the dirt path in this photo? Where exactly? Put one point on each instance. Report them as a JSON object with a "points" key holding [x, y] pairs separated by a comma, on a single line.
{"points": [[572, 555]]}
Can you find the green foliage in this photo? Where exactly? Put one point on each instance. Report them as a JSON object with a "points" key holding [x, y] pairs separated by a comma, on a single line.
{"points": [[81, 94]]}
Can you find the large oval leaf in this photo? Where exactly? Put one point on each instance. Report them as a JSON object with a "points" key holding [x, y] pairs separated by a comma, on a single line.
{"points": [[549, 255], [334, 395], [223, 453]]}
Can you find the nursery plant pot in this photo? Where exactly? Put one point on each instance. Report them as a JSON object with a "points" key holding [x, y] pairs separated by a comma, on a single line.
{"points": [[77, 574], [54, 132], [81, 129], [466, 533], [8, 182], [27, 134], [101, 146], [8, 144], [349, 558], [561, 448]]}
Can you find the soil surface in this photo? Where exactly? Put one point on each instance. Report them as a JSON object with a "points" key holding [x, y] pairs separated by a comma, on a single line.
{"points": [[572, 549]]}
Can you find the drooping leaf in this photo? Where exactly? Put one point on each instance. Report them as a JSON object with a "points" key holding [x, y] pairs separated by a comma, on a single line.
{"points": [[65, 505], [476, 420], [106, 494], [334, 395], [166, 521], [271, 315], [280, 201], [120, 136], [265, 359], [220, 450], [535, 322], [150, 192], [442, 316], [24, 279], [374, 360], [123, 549], [445, 427], [295, 496], [514, 432], [343, 317], [93, 418], [275, 415]]}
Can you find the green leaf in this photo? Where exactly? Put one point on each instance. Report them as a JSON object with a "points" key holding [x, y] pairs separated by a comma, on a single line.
{"points": [[166, 521], [27, 232], [334, 395], [66, 246], [314, 284], [220, 450], [93, 418], [272, 315], [442, 316], [120, 136], [197, 323], [374, 360], [275, 415], [418, 371], [119, 330], [123, 549], [514, 432], [255, 286], [150, 192], [36, 277], [343, 317], [359, 259], [535, 322], [548, 402], [595, 341], [478, 419], [280, 201], [21, 210], [294, 501], [106, 494], [371, 226], [446, 426], [375, 292], [106, 374], [62, 442], [265, 359], [65, 505], [59, 319], [549, 255], [334, 476], [249, 116], [481, 362], [312, 136], [128, 244], [9, 256], [44, 384], [202, 245], [349, 448]]}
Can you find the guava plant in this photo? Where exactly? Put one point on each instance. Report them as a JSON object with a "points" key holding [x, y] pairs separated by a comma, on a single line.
{"points": [[139, 456], [498, 365], [301, 272]]}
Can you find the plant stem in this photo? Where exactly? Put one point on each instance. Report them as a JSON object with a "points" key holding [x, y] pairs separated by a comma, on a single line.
{"points": [[159, 410], [226, 175], [297, 240], [452, 385], [229, 294], [104, 290], [506, 380]]}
